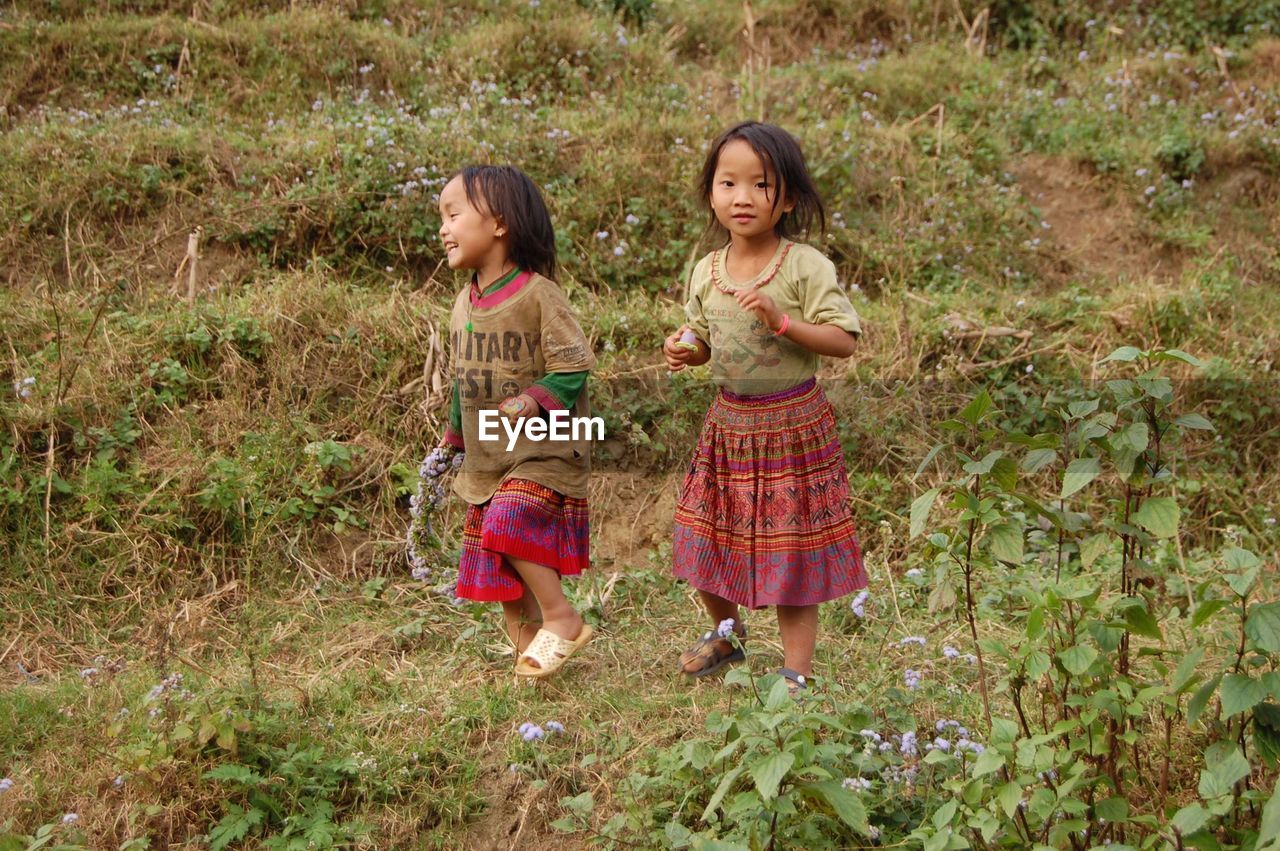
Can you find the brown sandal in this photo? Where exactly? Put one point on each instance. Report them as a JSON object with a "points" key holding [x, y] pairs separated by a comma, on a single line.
{"points": [[708, 651]]}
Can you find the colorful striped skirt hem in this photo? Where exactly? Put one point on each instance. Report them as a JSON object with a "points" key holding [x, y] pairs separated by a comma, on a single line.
{"points": [[527, 521], [763, 516]]}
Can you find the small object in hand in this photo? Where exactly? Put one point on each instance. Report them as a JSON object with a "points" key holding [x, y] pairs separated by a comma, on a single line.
{"points": [[688, 340], [512, 407]]}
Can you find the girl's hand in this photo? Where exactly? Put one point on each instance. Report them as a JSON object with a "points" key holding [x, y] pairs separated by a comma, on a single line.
{"points": [[762, 306], [515, 407], [677, 352]]}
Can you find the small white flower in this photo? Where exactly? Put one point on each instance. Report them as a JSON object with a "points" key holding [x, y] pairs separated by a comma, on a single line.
{"points": [[70, 818]]}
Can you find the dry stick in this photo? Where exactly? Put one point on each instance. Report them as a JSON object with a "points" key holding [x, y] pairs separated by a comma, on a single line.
{"points": [[193, 255], [885, 531]]}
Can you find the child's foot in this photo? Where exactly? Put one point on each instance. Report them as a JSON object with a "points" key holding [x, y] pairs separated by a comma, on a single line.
{"points": [[525, 636], [569, 629], [796, 681], [711, 653], [549, 650]]}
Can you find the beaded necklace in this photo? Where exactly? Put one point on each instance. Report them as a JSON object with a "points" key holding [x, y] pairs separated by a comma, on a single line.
{"points": [[719, 283]]}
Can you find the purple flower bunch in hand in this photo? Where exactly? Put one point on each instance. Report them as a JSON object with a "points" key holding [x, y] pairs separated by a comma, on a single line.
{"points": [[429, 497]]}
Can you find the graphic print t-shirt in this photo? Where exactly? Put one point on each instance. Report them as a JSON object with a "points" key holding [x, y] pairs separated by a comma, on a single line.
{"points": [[746, 357], [518, 335]]}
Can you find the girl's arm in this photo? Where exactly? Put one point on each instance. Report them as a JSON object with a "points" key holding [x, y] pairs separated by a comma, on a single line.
{"points": [[453, 431], [830, 340], [827, 340]]}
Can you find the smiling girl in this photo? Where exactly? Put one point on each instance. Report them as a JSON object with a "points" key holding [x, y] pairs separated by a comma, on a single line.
{"points": [[516, 348], [763, 516]]}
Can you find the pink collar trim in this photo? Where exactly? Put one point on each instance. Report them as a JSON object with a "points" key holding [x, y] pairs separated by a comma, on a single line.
{"points": [[495, 299]]}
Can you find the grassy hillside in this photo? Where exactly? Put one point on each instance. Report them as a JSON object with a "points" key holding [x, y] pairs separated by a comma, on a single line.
{"points": [[211, 635]]}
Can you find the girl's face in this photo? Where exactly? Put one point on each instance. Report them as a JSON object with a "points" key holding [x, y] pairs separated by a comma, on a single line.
{"points": [[472, 239], [744, 191]]}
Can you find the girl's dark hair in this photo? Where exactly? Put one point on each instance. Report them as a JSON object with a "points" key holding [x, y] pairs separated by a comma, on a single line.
{"points": [[780, 153], [506, 193]]}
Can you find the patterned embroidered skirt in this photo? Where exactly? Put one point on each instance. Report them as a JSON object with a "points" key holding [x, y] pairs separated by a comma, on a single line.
{"points": [[763, 517], [523, 520]]}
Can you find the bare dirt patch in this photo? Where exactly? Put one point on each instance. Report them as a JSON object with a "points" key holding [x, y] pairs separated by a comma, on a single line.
{"points": [[631, 514], [514, 817], [1092, 233]]}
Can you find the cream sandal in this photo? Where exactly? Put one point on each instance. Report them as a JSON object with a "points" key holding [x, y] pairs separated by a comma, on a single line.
{"points": [[550, 652]]}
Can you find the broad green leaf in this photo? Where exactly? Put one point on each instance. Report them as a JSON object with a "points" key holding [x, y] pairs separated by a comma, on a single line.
{"points": [[1134, 437], [1157, 387], [1037, 664], [943, 595], [933, 453], [1003, 731], [1269, 827], [1008, 797], [1126, 460], [1240, 693], [1159, 516], [1037, 459], [1005, 540], [1005, 473], [1112, 809], [847, 804], [1263, 626], [1092, 548], [987, 762], [1241, 583], [1205, 611], [1186, 670], [1077, 659], [1141, 622], [1079, 473], [1194, 421], [726, 783], [1239, 559], [1179, 354], [1124, 354], [778, 695], [1083, 408], [981, 468], [978, 408], [1199, 700], [1266, 732], [944, 814], [1189, 819], [920, 509], [1223, 774], [768, 772], [1035, 623]]}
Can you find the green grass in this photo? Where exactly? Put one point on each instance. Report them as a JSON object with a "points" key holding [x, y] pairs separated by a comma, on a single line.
{"points": [[163, 498]]}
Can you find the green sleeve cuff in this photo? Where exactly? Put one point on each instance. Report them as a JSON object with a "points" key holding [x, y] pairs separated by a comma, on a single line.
{"points": [[565, 387]]}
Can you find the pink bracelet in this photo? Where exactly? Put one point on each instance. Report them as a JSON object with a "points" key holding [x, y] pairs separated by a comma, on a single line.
{"points": [[782, 329]]}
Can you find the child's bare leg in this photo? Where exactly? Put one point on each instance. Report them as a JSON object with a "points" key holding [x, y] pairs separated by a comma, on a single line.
{"points": [[544, 583], [719, 609], [799, 628], [523, 619]]}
